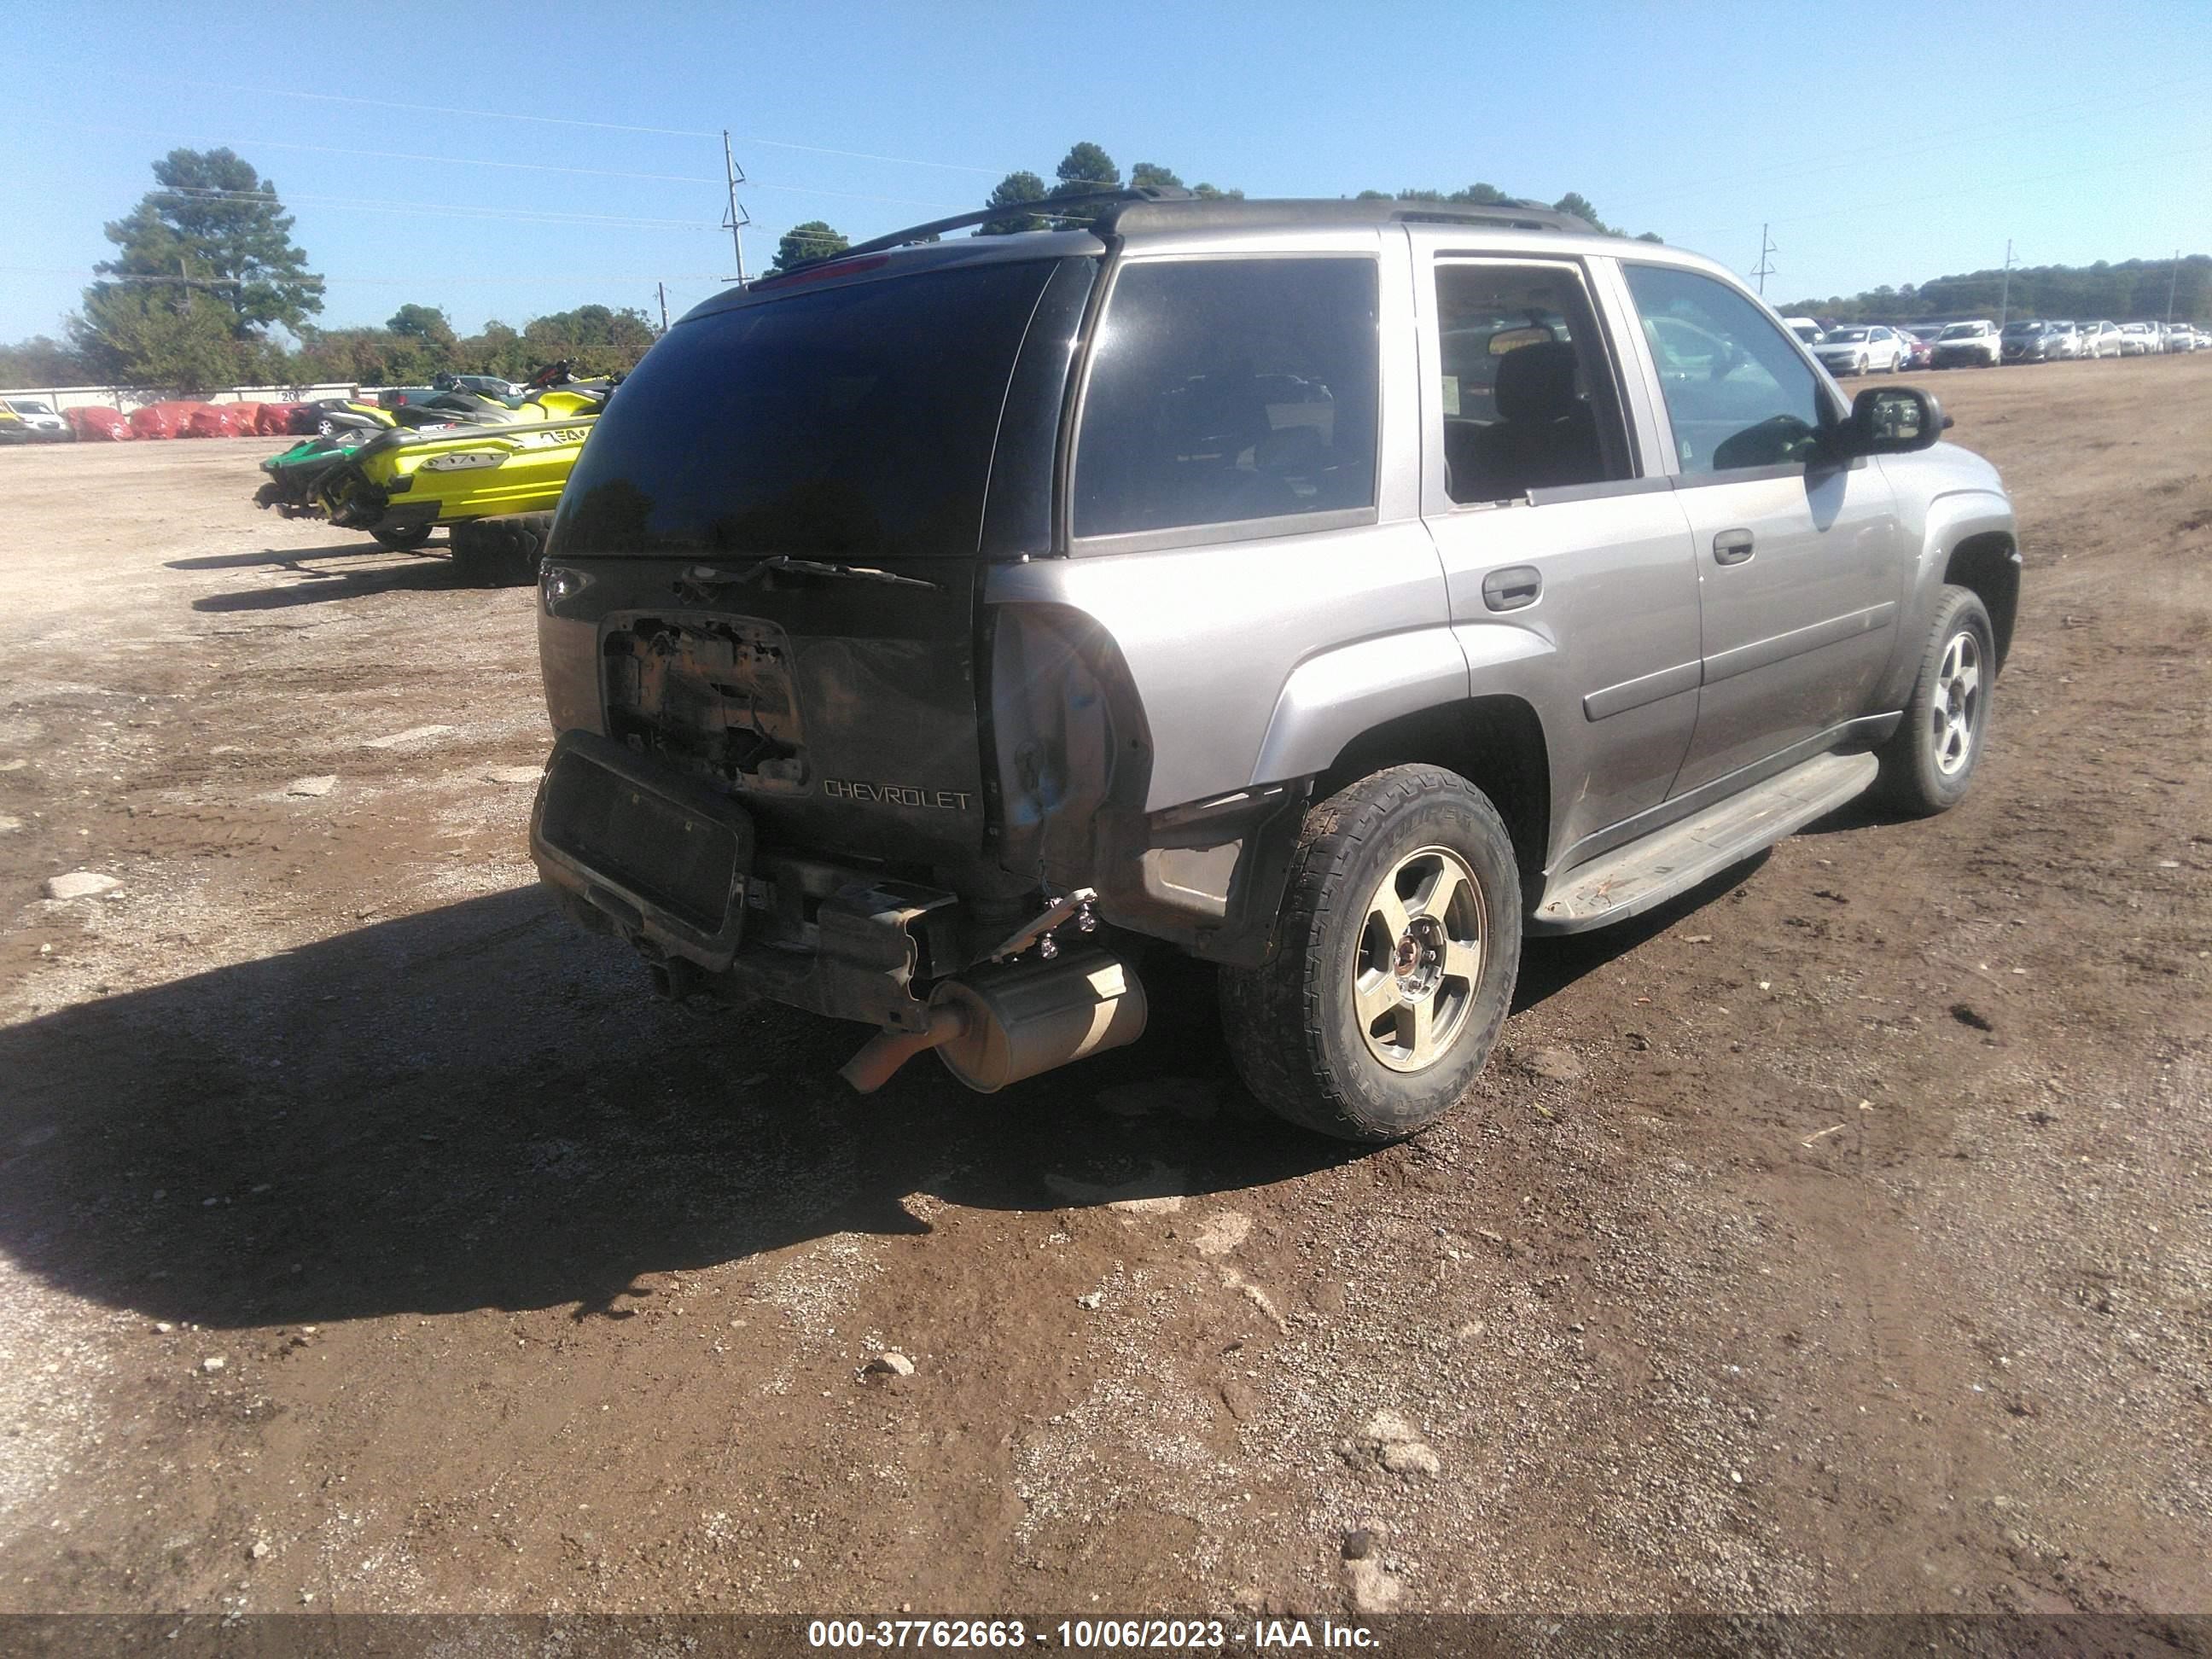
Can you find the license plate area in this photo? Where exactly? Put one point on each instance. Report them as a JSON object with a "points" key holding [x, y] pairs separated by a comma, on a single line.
{"points": [[673, 854]]}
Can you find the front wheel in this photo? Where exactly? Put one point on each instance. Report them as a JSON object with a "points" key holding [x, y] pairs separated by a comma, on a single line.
{"points": [[402, 541], [1394, 958], [1926, 765]]}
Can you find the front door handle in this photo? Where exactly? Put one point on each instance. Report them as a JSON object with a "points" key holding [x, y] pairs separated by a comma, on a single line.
{"points": [[1732, 547]]}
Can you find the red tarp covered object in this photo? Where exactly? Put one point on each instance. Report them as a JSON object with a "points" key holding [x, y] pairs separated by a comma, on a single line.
{"points": [[98, 425], [165, 420]]}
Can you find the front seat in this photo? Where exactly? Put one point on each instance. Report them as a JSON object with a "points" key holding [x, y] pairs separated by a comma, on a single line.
{"points": [[1545, 437]]}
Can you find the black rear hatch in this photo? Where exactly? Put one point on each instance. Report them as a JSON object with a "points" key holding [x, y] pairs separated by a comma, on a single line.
{"points": [[775, 535]]}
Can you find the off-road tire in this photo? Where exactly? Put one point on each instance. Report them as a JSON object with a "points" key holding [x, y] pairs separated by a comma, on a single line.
{"points": [[499, 552], [402, 541], [1292, 1028], [1920, 775]]}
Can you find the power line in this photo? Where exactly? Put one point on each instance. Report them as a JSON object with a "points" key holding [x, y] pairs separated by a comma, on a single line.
{"points": [[453, 209], [1889, 203], [522, 278], [1922, 143], [562, 121], [404, 156], [519, 166]]}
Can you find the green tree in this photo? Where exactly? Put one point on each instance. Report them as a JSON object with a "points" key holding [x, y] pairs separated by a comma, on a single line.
{"points": [[1576, 203], [1215, 193], [40, 360], [425, 322], [815, 240], [1012, 192], [1084, 169], [170, 337], [597, 339], [494, 349], [214, 217], [1151, 175]]}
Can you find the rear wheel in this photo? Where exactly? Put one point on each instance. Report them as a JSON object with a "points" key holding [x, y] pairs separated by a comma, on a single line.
{"points": [[499, 552], [405, 540], [1927, 766], [1396, 955]]}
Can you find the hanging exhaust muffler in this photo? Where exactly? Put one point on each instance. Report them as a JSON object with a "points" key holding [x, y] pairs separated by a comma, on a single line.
{"points": [[1003, 1024]]}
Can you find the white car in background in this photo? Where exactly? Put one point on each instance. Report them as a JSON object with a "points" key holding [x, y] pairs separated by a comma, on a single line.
{"points": [[2101, 339], [1857, 351], [1804, 328], [2182, 338], [1969, 345], [39, 419], [2062, 342], [2140, 340]]}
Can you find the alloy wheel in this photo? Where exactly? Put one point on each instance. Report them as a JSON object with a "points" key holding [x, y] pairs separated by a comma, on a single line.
{"points": [[1954, 712], [1420, 959]]}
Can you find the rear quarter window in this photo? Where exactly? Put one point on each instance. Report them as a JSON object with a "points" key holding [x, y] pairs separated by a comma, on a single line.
{"points": [[1224, 391]]}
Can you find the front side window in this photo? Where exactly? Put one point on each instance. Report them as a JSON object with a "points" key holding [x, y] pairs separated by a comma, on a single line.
{"points": [[1520, 361], [1737, 395], [1228, 390]]}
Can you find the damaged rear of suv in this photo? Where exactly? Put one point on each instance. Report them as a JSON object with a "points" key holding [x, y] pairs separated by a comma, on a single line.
{"points": [[1321, 589]]}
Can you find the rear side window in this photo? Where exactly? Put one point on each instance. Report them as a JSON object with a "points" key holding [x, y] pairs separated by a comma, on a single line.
{"points": [[852, 421], [1228, 389]]}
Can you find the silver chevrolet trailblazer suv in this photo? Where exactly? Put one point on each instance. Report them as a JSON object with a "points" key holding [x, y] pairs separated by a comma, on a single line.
{"points": [[1335, 591]]}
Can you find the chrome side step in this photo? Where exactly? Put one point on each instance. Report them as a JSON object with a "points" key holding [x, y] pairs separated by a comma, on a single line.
{"points": [[1633, 878]]}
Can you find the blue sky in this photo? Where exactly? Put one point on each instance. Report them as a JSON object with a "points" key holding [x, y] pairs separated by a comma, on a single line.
{"points": [[1900, 142]]}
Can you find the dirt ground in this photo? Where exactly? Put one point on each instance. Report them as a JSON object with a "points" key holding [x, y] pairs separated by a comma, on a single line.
{"points": [[371, 1240]]}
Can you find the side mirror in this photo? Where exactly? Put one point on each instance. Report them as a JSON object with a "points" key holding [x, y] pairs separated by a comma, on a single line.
{"points": [[1892, 420]]}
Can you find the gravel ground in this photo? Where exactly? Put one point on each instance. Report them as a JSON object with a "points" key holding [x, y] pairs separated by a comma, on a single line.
{"points": [[1836, 1238]]}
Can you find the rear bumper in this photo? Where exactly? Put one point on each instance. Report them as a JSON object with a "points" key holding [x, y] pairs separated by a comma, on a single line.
{"points": [[632, 849]]}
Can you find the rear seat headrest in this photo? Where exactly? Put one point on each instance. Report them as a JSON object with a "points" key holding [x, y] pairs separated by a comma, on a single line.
{"points": [[1537, 382]]}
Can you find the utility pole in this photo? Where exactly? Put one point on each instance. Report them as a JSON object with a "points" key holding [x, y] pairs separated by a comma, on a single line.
{"points": [[1764, 268], [734, 220], [2004, 288], [663, 287], [2172, 276]]}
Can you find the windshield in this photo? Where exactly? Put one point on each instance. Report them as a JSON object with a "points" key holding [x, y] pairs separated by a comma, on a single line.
{"points": [[2023, 328], [1846, 336], [1965, 331], [835, 424], [29, 406]]}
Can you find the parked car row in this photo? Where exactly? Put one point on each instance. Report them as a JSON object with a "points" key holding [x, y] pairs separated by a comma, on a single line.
{"points": [[1874, 348]]}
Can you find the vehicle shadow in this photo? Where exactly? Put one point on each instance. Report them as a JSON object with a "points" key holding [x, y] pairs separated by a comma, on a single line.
{"points": [[426, 574], [479, 1106], [290, 557], [1550, 963]]}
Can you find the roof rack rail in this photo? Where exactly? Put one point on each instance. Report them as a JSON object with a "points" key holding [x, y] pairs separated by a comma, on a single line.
{"points": [[1045, 207], [1149, 207]]}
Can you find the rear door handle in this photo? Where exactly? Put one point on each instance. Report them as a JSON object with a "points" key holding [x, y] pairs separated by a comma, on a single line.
{"points": [[1512, 588], [1732, 547]]}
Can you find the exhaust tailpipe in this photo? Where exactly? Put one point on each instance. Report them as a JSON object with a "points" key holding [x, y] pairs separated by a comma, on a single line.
{"points": [[885, 1052], [1003, 1024]]}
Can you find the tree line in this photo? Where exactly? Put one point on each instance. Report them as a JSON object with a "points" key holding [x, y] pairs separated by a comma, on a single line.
{"points": [[2130, 291], [205, 273]]}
